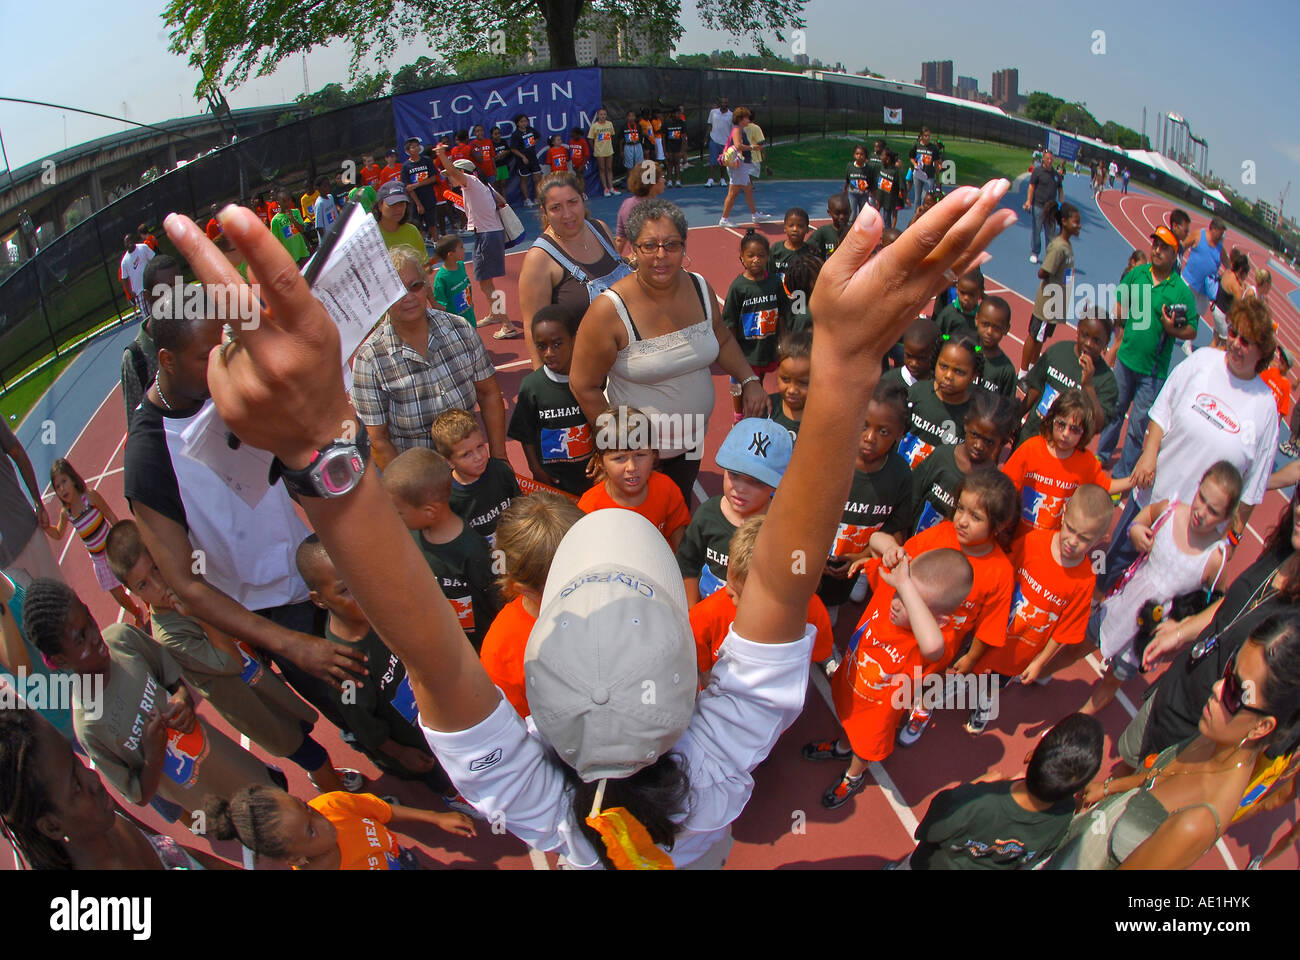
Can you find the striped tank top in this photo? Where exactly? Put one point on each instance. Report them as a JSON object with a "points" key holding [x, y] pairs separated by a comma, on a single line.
{"points": [[92, 527]]}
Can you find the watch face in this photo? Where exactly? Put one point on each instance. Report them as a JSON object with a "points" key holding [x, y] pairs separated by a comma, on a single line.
{"points": [[339, 471]]}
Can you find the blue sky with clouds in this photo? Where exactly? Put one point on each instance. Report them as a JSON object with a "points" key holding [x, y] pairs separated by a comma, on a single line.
{"points": [[1229, 69]]}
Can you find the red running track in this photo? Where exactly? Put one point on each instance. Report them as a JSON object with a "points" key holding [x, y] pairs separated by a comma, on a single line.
{"points": [[784, 826]]}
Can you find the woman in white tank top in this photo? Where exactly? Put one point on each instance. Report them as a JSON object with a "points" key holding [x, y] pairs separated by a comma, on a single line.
{"points": [[649, 340]]}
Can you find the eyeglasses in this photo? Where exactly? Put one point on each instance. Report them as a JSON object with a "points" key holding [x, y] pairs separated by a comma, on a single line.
{"points": [[417, 287], [1232, 692], [1245, 342], [650, 247], [1074, 429]]}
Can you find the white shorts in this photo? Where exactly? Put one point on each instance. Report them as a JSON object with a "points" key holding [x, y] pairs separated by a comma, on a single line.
{"points": [[739, 175]]}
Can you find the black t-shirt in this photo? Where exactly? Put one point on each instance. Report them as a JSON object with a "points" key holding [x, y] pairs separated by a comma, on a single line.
{"points": [[955, 322], [525, 141], [824, 240], [932, 424], [421, 171], [630, 134], [757, 312], [674, 130], [548, 417], [778, 416], [1183, 690], [877, 501], [925, 156], [1058, 370], [480, 503], [934, 489], [1044, 181], [148, 474], [857, 179], [979, 826], [464, 571], [501, 154], [383, 707], [999, 374], [890, 186], [705, 550]]}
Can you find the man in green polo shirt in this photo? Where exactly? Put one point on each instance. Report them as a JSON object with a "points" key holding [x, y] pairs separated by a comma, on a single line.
{"points": [[1160, 309]]}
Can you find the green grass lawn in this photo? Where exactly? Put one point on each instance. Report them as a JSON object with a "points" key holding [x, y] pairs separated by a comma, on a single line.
{"points": [[973, 162], [17, 401]]}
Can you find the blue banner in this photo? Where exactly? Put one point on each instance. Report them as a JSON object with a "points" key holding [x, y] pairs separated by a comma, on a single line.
{"points": [[1063, 147], [556, 101]]}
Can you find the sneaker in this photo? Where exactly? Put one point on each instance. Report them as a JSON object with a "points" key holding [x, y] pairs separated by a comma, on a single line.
{"points": [[978, 722], [609, 193], [710, 183], [1033, 258], [508, 331], [679, 183], [762, 216], [825, 750], [1255, 863], [859, 591], [353, 780], [724, 222], [458, 803], [915, 726], [1289, 448], [846, 787]]}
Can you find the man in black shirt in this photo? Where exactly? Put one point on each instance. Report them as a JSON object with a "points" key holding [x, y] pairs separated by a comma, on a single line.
{"points": [[222, 557], [1040, 202]]}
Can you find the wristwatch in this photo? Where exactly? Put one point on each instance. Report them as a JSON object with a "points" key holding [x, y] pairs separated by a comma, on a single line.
{"points": [[752, 378], [334, 471]]}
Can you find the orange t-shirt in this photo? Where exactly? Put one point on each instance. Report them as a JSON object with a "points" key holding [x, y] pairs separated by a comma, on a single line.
{"points": [[1281, 388], [391, 171], [579, 152], [663, 504], [985, 610], [502, 653], [1050, 602], [712, 617], [881, 660], [370, 174], [557, 158], [359, 818], [1046, 482]]}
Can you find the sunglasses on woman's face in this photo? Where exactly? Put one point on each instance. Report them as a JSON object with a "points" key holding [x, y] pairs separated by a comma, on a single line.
{"points": [[1232, 693]]}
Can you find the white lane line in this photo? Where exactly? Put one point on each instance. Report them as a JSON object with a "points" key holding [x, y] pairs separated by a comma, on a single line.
{"points": [[893, 795], [538, 859], [247, 855], [514, 363], [700, 495]]}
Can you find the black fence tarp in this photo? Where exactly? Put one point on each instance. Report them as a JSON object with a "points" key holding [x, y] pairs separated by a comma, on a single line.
{"points": [[72, 286]]}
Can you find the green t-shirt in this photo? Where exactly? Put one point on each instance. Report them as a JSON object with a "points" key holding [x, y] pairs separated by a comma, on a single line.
{"points": [[824, 240], [251, 696], [452, 292], [778, 416], [757, 312], [999, 374], [382, 708], [548, 417], [877, 501], [780, 255], [706, 547], [858, 179], [1146, 348], [934, 489], [956, 322], [480, 503], [1054, 301], [406, 233], [288, 230], [933, 423], [979, 826], [464, 571], [196, 764], [365, 196], [1058, 370], [895, 375]]}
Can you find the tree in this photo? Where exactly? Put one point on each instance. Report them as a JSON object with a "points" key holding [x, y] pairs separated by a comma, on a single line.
{"points": [[228, 41], [1041, 107], [1075, 117], [421, 75]]}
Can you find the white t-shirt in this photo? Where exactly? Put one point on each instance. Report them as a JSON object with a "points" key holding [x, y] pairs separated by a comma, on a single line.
{"points": [[1113, 169], [756, 690], [480, 206], [719, 125], [1209, 415], [325, 211], [133, 264]]}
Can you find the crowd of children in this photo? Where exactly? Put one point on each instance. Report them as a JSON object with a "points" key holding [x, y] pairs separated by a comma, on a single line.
{"points": [[968, 531]]}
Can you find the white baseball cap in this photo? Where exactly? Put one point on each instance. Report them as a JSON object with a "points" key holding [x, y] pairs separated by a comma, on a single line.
{"points": [[610, 664]]}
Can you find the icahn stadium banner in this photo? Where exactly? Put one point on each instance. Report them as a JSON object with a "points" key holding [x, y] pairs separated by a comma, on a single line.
{"points": [[1063, 147], [556, 101]]}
